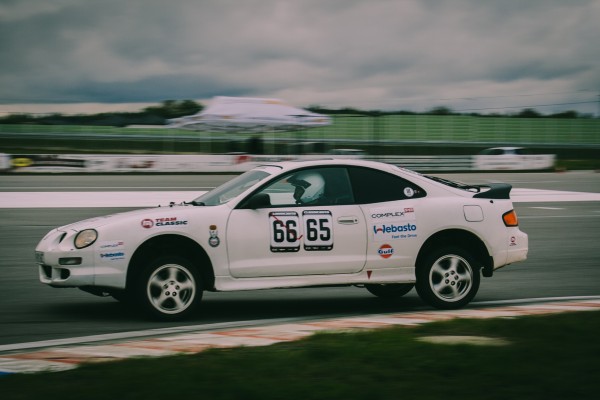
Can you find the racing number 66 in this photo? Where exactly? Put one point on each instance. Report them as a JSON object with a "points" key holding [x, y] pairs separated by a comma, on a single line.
{"points": [[285, 231], [285, 236]]}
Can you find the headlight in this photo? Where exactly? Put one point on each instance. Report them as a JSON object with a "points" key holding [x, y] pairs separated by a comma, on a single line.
{"points": [[85, 238]]}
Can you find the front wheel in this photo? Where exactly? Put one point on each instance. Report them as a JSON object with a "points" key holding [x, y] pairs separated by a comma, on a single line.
{"points": [[448, 278], [169, 288]]}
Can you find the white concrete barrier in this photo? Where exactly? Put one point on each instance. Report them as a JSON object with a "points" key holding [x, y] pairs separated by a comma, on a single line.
{"points": [[237, 163], [4, 162]]}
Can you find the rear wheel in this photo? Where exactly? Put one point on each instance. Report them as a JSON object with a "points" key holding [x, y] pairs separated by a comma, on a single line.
{"points": [[448, 278], [169, 288], [390, 291]]}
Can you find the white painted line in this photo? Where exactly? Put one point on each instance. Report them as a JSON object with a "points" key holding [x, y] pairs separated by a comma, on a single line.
{"points": [[144, 333], [101, 188], [93, 199], [548, 208], [537, 195], [14, 366], [535, 300], [109, 351]]}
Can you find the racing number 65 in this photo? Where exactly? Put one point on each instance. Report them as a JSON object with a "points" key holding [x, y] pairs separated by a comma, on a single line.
{"points": [[318, 229]]}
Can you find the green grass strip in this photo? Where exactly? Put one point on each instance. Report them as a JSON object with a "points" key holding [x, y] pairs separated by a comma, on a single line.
{"points": [[546, 357]]}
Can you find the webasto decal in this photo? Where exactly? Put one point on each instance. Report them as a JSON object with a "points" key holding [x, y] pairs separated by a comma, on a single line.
{"points": [[394, 230], [117, 255]]}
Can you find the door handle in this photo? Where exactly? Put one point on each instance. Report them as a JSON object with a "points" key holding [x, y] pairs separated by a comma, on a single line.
{"points": [[349, 220]]}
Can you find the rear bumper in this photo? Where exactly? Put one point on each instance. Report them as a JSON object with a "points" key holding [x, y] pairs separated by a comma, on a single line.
{"points": [[518, 247], [515, 251]]}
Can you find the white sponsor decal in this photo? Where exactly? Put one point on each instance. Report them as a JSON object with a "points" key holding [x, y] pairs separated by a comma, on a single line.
{"points": [[116, 244], [394, 230], [393, 213]]}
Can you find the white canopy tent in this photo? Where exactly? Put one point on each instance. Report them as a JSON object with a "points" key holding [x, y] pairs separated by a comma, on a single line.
{"points": [[250, 115]]}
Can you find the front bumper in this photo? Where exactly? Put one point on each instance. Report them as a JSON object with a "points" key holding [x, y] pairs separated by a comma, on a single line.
{"points": [[60, 264], [66, 277]]}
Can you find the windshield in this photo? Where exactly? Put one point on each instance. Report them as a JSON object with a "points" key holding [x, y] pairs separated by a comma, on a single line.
{"points": [[231, 189]]}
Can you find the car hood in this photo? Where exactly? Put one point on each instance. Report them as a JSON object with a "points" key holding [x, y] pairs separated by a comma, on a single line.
{"points": [[128, 217]]}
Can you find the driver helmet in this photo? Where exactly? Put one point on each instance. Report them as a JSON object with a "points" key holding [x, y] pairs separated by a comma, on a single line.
{"points": [[309, 187]]}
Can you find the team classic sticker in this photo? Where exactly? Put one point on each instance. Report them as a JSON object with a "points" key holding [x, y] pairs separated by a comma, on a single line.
{"points": [[393, 223], [314, 229], [169, 221]]}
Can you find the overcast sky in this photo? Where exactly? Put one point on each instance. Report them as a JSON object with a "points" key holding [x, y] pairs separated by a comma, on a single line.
{"points": [[480, 55]]}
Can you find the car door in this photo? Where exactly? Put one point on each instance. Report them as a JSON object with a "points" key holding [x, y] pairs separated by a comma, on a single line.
{"points": [[288, 229], [393, 208]]}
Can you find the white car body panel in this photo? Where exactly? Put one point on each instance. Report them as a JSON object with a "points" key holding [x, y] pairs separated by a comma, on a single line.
{"points": [[251, 258]]}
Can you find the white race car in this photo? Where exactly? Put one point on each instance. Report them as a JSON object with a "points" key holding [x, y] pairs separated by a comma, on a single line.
{"points": [[295, 224]]}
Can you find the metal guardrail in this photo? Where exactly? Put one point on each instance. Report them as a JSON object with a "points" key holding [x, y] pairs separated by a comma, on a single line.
{"points": [[236, 163], [429, 163]]}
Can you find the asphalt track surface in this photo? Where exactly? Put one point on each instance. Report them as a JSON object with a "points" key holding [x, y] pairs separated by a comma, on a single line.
{"points": [[564, 259]]}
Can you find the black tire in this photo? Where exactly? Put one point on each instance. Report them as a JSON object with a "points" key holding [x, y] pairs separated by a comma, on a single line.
{"points": [[168, 288], [448, 278], [390, 291]]}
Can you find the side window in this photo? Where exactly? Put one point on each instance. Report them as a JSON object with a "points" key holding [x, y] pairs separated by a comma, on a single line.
{"points": [[372, 186], [308, 187]]}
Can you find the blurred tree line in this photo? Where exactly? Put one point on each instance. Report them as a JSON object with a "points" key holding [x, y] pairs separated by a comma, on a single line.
{"points": [[153, 115], [159, 114], [442, 110]]}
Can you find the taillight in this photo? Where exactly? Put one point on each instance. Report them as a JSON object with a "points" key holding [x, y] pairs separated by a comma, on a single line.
{"points": [[510, 218]]}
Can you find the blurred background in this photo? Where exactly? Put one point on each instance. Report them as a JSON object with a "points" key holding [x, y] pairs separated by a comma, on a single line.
{"points": [[406, 78]]}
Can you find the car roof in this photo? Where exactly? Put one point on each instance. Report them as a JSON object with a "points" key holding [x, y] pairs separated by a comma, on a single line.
{"points": [[285, 166]]}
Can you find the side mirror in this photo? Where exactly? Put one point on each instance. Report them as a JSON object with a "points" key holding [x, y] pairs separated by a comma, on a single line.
{"points": [[259, 200]]}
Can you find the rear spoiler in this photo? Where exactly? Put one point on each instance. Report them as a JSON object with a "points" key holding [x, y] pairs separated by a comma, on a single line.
{"points": [[497, 191]]}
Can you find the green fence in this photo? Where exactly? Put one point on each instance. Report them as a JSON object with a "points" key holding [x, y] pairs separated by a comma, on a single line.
{"points": [[381, 135], [395, 128], [465, 129]]}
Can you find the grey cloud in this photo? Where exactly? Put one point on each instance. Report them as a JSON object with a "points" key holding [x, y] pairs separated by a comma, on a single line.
{"points": [[375, 51]]}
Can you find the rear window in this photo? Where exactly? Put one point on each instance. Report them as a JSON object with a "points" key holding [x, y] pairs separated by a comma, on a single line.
{"points": [[372, 186]]}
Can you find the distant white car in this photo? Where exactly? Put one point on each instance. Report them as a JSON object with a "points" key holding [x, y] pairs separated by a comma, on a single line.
{"points": [[512, 158], [347, 153], [295, 224]]}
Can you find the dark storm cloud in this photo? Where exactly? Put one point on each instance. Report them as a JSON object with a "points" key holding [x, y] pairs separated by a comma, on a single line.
{"points": [[176, 86], [371, 54]]}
